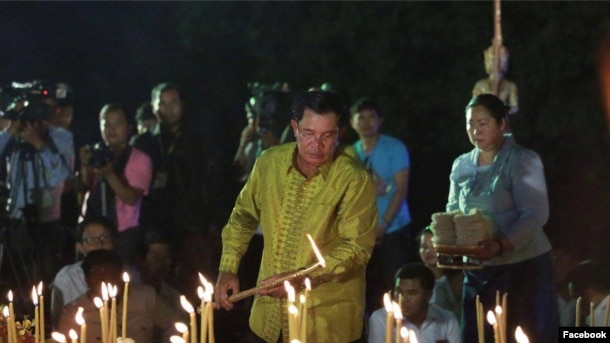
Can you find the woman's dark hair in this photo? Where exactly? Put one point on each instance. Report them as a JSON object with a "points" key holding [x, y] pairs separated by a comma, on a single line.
{"points": [[496, 107]]}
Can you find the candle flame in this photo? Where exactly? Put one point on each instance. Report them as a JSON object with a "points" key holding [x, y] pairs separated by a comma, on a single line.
{"points": [[39, 288], [10, 296], [387, 302], [321, 260], [491, 319], [290, 291], [293, 309], [112, 290], [397, 310], [520, 336], [34, 296], [308, 284], [80, 320], [412, 337], [181, 327], [73, 334], [58, 336], [200, 292], [202, 279], [5, 312], [209, 287], [302, 298], [176, 339], [295, 341], [104, 291], [499, 310], [98, 302], [125, 277], [404, 332], [186, 305]]}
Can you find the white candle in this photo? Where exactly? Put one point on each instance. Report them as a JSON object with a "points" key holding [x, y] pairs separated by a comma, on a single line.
{"points": [[112, 334], [398, 316], [184, 330], [58, 337], [492, 321], [202, 312], [404, 334], [520, 336], [191, 311], [389, 318], [209, 292], [80, 320], [500, 321], [125, 295], [36, 318], [103, 318], [73, 336], [41, 315], [177, 339]]}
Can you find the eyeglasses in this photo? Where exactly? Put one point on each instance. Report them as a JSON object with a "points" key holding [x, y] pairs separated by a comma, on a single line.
{"points": [[324, 138], [106, 238]]}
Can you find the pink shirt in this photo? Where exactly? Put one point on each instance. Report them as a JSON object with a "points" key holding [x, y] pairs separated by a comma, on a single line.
{"points": [[138, 173]]}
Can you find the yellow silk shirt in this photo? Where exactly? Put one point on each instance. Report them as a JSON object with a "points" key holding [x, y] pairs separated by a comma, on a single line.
{"points": [[337, 207]]}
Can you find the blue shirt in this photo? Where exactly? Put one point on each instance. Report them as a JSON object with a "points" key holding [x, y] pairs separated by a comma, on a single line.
{"points": [[42, 173], [388, 157], [511, 192]]}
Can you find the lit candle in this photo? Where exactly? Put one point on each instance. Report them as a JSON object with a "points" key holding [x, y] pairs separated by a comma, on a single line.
{"points": [[413, 336], [504, 315], [291, 309], [103, 318], [125, 294], [58, 337], [80, 320], [105, 325], [578, 301], [209, 292], [73, 336], [202, 311], [591, 315], [492, 321], [36, 318], [300, 309], [176, 339], [11, 312], [480, 320], [112, 292], [389, 318], [191, 311], [404, 334], [398, 317], [304, 311], [184, 330], [520, 336], [9, 332], [500, 322], [41, 315]]}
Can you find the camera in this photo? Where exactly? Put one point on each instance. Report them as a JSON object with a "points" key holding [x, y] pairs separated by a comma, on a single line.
{"points": [[27, 102], [270, 105], [101, 155]]}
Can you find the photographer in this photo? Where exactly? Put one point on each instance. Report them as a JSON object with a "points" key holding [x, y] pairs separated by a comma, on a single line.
{"points": [[117, 176], [38, 158]]}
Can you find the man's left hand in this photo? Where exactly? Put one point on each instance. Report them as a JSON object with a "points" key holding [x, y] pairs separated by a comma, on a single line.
{"points": [[29, 133]]}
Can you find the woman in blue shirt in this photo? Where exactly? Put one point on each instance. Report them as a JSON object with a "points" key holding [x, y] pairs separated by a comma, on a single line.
{"points": [[506, 181]]}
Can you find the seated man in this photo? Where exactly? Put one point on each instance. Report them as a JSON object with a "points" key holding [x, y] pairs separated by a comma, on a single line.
{"points": [[92, 234], [430, 323], [144, 308], [591, 281]]}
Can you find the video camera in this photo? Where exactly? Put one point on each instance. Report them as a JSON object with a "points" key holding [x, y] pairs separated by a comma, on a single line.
{"points": [[27, 102], [101, 155], [270, 104]]}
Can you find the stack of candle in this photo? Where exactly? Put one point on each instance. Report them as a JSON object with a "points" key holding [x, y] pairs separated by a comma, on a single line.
{"points": [[480, 320], [393, 323], [297, 313], [497, 319]]}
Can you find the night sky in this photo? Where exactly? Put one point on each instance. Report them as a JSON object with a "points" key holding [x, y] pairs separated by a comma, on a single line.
{"points": [[420, 59]]}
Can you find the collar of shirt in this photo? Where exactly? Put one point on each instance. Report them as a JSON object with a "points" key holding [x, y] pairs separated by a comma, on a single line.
{"points": [[323, 170]]}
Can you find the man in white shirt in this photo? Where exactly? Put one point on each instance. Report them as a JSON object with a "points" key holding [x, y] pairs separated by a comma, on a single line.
{"points": [[69, 283], [430, 323]]}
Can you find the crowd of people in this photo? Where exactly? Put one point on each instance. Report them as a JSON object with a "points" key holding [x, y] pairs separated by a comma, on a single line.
{"points": [[147, 202]]}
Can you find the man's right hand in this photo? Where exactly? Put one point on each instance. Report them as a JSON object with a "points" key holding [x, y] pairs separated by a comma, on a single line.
{"points": [[226, 281]]}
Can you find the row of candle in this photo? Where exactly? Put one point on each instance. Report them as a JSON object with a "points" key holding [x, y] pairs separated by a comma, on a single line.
{"points": [[297, 314], [497, 319], [9, 313], [394, 322], [592, 314], [206, 309]]}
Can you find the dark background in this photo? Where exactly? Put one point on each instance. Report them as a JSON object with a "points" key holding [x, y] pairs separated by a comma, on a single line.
{"points": [[419, 59]]}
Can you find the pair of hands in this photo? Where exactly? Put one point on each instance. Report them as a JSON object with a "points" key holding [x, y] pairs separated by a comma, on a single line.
{"points": [[29, 132], [490, 248], [230, 281], [85, 156]]}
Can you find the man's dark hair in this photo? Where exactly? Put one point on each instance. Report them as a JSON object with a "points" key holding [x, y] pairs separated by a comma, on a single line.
{"points": [[589, 274], [152, 236], [417, 271], [144, 112], [101, 257], [366, 104], [162, 87], [321, 102], [99, 220]]}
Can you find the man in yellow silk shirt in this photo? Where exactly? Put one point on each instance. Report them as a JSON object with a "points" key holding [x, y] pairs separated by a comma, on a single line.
{"points": [[306, 187]]}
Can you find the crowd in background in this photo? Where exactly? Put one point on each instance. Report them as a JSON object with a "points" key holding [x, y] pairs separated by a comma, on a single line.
{"points": [[153, 193]]}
